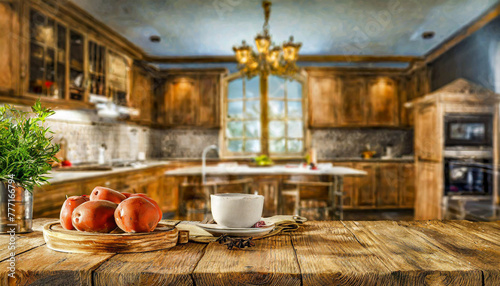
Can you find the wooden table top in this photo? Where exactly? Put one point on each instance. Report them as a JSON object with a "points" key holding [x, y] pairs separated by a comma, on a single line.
{"points": [[320, 253]]}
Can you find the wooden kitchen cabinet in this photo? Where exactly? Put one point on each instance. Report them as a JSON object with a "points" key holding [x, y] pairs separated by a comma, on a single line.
{"points": [[352, 102], [429, 195], [364, 196], [382, 102], [9, 48], [323, 94], [193, 99], [387, 185], [209, 99], [141, 95], [428, 133], [407, 185], [182, 100]]}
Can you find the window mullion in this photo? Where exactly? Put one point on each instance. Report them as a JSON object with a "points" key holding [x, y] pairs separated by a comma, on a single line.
{"points": [[264, 117]]}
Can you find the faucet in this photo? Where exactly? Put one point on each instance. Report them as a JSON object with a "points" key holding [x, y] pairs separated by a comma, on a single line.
{"points": [[204, 161]]}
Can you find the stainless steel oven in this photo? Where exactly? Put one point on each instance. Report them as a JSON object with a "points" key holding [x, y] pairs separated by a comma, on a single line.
{"points": [[468, 176], [468, 130]]}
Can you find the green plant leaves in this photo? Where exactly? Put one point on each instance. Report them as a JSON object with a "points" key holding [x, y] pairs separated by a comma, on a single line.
{"points": [[26, 149]]}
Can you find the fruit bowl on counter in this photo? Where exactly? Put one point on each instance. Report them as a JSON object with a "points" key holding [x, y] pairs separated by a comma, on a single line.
{"points": [[261, 161]]}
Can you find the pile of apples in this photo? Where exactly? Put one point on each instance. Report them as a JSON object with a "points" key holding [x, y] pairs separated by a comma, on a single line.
{"points": [[107, 209]]}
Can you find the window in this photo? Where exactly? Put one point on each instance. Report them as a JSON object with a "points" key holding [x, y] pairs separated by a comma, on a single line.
{"points": [[244, 120]]}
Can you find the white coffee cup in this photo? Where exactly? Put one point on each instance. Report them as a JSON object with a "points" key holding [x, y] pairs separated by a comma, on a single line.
{"points": [[237, 210]]}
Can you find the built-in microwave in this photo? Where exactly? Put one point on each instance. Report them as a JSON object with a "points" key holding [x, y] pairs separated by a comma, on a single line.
{"points": [[468, 130]]}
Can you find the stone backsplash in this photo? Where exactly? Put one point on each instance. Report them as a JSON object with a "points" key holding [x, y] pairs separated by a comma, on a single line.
{"points": [[349, 143], [85, 133], [183, 143]]}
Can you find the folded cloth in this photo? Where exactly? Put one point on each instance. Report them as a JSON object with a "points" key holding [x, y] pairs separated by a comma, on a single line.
{"points": [[283, 223]]}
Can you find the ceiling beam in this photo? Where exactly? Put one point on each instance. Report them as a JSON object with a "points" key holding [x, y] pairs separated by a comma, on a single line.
{"points": [[302, 58], [468, 30]]}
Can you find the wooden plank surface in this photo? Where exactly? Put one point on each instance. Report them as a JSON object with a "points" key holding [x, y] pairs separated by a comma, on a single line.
{"points": [[319, 253], [24, 241], [271, 262], [464, 246], [410, 258], [329, 254], [486, 230], [43, 266], [166, 267]]}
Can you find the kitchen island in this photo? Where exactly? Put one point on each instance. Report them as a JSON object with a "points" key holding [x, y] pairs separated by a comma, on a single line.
{"points": [[319, 253], [269, 180]]}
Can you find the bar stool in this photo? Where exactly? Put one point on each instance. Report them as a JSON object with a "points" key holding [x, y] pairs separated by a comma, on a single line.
{"points": [[318, 196], [194, 198]]}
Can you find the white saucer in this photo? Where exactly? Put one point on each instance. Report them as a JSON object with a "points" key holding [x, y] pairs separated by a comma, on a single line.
{"points": [[218, 230]]}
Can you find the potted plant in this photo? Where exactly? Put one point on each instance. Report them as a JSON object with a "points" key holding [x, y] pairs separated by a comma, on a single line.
{"points": [[26, 153]]}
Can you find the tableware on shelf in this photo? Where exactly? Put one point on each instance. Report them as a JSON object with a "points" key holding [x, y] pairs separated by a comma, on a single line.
{"points": [[218, 230], [237, 210]]}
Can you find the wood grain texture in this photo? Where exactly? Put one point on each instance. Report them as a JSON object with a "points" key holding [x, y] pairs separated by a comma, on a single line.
{"points": [[166, 267], [328, 254], [319, 253], [271, 262], [410, 258], [489, 231], [464, 246], [73, 241], [43, 266]]}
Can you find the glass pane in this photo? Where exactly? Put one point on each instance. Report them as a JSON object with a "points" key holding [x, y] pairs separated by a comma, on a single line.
{"points": [[252, 129], [36, 69], [276, 129], [37, 26], [252, 108], [235, 89], [295, 146], [295, 129], [49, 33], [235, 109], [235, 145], [50, 73], [252, 146], [294, 89], [276, 87], [252, 87], [234, 129], [294, 109], [277, 146], [276, 109]]}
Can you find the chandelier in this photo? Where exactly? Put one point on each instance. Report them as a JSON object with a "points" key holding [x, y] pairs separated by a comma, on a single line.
{"points": [[269, 58]]}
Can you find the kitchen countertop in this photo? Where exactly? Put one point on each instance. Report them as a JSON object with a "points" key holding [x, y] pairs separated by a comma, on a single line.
{"points": [[274, 170], [337, 159], [66, 176], [318, 253]]}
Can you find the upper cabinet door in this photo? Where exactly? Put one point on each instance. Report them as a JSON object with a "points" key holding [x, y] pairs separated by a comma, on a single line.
{"points": [[8, 52], [182, 101], [382, 102], [324, 92], [352, 109], [140, 97], [209, 101]]}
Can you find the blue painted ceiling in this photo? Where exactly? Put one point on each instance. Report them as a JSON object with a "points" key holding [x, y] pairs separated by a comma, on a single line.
{"points": [[352, 27]]}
